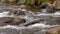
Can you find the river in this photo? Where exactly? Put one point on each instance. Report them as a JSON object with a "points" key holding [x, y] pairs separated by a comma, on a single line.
{"points": [[37, 28]]}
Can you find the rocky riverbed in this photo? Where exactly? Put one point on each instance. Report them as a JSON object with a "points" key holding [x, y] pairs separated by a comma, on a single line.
{"points": [[17, 20]]}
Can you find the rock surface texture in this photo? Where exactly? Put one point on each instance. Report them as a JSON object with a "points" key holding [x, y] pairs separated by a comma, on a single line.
{"points": [[55, 30]]}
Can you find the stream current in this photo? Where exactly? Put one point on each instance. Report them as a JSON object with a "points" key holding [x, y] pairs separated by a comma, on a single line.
{"points": [[37, 28]]}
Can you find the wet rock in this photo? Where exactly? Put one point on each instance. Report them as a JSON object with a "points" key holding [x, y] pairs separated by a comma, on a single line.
{"points": [[18, 21], [44, 5], [21, 13], [11, 21], [3, 24], [5, 19], [53, 21], [34, 22], [54, 30], [49, 7], [16, 12]]}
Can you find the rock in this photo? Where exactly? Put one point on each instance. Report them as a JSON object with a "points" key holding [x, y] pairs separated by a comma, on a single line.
{"points": [[22, 6], [21, 13], [11, 21], [49, 7], [18, 21], [44, 5], [10, 13], [34, 22], [53, 21], [3, 24], [56, 4], [6, 19], [16, 12], [54, 30]]}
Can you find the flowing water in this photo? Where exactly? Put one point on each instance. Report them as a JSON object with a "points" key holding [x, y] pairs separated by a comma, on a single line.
{"points": [[37, 28]]}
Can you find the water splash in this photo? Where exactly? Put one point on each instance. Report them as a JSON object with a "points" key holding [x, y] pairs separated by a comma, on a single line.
{"points": [[4, 14]]}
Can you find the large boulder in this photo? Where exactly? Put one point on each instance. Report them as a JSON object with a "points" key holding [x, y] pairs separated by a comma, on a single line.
{"points": [[54, 30]]}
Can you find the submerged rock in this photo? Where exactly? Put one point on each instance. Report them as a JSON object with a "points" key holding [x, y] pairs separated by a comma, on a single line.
{"points": [[54, 30], [53, 21], [9, 31]]}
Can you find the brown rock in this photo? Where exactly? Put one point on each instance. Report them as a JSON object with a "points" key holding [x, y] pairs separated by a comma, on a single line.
{"points": [[21, 13], [56, 4], [18, 21], [3, 24], [22, 6], [55, 30]]}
